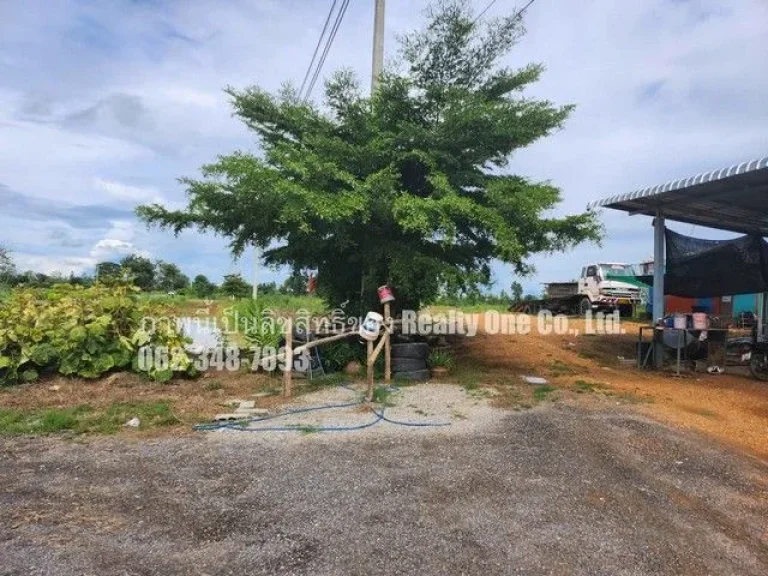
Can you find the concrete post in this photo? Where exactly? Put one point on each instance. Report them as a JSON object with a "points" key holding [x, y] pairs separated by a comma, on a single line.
{"points": [[378, 44]]}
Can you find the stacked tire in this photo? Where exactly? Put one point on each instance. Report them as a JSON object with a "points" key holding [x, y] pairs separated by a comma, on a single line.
{"points": [[409, 361]]}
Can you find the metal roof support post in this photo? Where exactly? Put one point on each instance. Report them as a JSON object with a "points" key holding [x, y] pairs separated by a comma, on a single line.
{"points": [[658, 279]]}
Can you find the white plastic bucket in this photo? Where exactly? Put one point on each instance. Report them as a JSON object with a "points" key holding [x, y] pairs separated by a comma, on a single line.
{"points": [[700, 321], [371, 326], [679, 321]]}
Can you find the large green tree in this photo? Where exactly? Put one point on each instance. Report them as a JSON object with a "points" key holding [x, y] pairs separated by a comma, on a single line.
{"points": [[170, 277], [202, 287], [234, 285], [108, 272], [409, 187], [140, 270]]}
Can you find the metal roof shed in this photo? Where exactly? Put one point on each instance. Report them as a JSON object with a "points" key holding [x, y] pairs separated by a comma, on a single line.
{"points": [[733, 199]]}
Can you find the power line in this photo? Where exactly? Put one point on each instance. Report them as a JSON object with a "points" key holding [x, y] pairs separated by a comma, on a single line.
{"points": [[516, 16], [328, 44], [317, 48]]}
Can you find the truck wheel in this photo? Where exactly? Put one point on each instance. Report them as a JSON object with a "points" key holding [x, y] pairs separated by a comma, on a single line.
{"points": [[625, 310], [585, 306]]}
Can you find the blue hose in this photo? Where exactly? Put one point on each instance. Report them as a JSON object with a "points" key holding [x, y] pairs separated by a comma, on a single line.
{"points": [[416, 424], [243, 428]]}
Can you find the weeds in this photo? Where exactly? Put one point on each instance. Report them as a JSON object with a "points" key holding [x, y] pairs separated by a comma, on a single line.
{"points": [[540, 393], [85, 419], [213, 385], [381, 395], [559, 368], [582, 386]]}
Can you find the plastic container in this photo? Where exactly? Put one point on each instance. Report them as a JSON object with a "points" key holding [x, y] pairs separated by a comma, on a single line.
{"points": [[371, 326], [385, 294], [700, 321], [679, 321]]}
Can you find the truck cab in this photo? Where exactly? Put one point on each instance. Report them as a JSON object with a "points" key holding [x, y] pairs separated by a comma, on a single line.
{"points": [[608, 286]]}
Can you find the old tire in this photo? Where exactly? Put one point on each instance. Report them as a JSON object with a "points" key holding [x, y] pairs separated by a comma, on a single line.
{"points": [[417, 350], [416, 375], [408, 364], [585, 305]]}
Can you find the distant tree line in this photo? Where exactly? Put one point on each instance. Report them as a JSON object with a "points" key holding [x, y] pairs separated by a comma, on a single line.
{"points": [[470, 294], [157, 276]]}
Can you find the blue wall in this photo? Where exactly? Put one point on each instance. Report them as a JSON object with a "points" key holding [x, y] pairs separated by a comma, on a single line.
{"points": [[744, 303]]}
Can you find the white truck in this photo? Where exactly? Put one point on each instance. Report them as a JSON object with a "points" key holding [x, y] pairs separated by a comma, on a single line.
{"points": [[604, 286]]}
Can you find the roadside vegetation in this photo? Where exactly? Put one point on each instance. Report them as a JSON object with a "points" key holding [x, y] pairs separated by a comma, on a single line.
{"points": [[85, 332], [85, 419]]}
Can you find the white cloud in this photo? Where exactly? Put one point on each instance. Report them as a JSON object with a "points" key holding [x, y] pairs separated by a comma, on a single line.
{"points": [[53, 265], [108, 248], [664, 89], [122, 191]]}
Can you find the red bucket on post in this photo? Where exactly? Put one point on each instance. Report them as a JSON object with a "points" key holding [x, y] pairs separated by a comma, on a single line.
{"points": [[385, 294]]}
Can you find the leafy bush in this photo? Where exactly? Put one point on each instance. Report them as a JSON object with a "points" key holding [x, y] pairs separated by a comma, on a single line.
{"points": [[440, 359], [255, 323], [84, 332], [337, 355]]}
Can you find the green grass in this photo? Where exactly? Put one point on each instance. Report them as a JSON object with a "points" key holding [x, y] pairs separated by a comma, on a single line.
{"points": [[559, 368], [484, 307], [332, 379], [381, 395], [540, 393], [582, 386], [85, 419], [275, 302]]}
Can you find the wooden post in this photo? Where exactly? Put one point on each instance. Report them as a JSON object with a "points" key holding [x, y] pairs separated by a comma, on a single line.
{"points": [[288, 372], [388, 345], [369, 372]]}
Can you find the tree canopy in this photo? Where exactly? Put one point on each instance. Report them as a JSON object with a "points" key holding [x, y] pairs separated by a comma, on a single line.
{"points": [[170, 277], [202, 287], [140, 270], [234, 285], [409, 186], [108, 272]]}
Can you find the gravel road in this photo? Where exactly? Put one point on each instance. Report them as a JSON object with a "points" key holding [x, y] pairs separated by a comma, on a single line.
{"points": [[552, 490]]}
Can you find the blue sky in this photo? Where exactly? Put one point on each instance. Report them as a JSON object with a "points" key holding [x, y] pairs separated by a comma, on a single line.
{"points": [[104, 105]]}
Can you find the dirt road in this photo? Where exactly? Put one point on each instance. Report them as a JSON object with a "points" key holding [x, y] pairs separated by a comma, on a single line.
{"points": [[731, 407], [552, 490]]}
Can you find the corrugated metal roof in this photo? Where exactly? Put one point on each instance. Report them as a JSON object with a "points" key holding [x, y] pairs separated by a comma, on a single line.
{"points": [[706, 177], [734, 198]]}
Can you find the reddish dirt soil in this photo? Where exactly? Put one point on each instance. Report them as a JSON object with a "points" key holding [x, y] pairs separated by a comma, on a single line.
{"points": [[732, 407]]}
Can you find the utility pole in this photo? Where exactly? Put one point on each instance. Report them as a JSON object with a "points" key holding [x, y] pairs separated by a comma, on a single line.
{"points": [[378, 44], [255, 292]]}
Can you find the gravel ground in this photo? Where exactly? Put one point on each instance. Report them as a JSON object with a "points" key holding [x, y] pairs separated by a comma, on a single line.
{"points": [[552, 490], [435, 410]]}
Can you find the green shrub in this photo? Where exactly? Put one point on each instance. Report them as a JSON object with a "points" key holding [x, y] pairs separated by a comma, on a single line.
{"points": [[255, 323], [337, 355], [440, 359], [77, 331]]}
